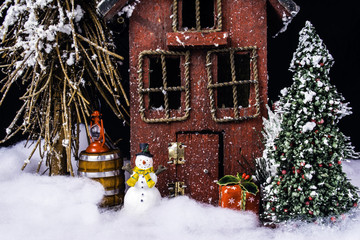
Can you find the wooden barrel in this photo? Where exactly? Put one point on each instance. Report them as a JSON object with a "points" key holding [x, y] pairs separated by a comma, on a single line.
{"points": [[106, 169]]}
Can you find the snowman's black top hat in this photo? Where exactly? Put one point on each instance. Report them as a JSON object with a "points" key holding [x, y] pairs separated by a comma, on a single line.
{"points": [[144, 148]]}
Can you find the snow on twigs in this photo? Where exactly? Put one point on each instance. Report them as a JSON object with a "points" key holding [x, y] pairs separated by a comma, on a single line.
{"points": [[34, 36], [41, 207]]}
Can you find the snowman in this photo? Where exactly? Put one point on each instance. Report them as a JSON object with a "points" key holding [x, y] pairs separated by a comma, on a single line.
{"points": [[142, 194]]}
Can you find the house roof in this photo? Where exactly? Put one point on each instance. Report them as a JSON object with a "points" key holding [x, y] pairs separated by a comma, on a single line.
{"points": [[290, 6], [287, 7], [109, 8]]}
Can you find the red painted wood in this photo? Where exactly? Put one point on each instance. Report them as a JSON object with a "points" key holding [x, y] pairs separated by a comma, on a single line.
{"points": [[197, 39], [201, 169]]}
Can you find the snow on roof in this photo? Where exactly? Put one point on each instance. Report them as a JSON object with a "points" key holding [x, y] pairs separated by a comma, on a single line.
{"points": [[290, 6], [105, 5]]}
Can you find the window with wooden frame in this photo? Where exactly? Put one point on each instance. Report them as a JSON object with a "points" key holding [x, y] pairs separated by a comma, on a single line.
{"points": [[197, 15], [233, 83], [164, 86]]}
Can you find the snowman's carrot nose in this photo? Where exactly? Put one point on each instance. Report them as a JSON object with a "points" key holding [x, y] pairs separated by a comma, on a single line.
{"points": [[144, 162]]}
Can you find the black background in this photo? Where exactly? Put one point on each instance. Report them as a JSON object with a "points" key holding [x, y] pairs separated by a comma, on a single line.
{"points": [[337, 23]]}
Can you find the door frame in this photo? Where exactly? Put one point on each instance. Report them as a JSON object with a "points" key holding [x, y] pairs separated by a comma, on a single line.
{"points": [[220, 150]]}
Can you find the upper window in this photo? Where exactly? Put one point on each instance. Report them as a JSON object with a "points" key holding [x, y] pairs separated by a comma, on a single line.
{"points": [[197, 15], [164, 86], [233, 84]]}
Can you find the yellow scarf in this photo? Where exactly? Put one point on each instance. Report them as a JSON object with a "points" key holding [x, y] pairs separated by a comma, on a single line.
{"points": [[145, 172]]}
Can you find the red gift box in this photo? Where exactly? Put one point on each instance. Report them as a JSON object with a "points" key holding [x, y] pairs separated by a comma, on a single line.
{"points": [[230, 196]]}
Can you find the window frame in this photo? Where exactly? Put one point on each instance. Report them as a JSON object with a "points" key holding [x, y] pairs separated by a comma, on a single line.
{"points": [[236, 113], [217, 17], [167, 114]]}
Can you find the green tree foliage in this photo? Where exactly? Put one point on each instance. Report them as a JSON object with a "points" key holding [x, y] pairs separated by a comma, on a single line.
{"points": [[309, 182]]}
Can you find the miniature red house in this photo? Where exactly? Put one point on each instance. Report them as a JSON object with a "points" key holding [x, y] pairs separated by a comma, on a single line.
{"points": [[198, 86]]}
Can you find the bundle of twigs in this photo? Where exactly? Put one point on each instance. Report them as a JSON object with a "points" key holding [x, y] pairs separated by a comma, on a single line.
{"points": [[60, 52]]}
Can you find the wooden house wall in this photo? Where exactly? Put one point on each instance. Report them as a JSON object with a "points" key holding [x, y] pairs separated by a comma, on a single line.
{"points": [[245, 21]]}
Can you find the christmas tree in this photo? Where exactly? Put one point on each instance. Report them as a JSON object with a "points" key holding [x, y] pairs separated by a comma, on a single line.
{"points": [[309, 182]]}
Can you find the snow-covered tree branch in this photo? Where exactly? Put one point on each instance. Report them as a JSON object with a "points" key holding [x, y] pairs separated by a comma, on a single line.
{"points": [[61, 53]]}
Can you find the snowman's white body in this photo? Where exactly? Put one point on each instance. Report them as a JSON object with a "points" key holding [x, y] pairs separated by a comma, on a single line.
{"points": [[140, 197]]}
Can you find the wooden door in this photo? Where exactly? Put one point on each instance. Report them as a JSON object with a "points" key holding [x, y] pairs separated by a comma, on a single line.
{"points": [[202, 167]]}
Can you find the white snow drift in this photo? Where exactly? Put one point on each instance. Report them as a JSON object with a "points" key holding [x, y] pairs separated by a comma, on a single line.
{"points": [[41, 207]]}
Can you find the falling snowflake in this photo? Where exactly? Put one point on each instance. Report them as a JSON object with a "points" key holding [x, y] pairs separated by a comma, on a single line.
{"points": [[239, 204], [251, 199], [231, 200]]}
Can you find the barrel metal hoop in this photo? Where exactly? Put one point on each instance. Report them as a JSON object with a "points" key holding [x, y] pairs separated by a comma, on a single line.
{"points": [[99, 174], [99, 158], [112, 192]]}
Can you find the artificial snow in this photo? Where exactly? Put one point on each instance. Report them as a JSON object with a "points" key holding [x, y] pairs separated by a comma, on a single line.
{"points": [[272, 128], [128, 9], [35, 207], [309, 126], [308, 96], [284, 91]]}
